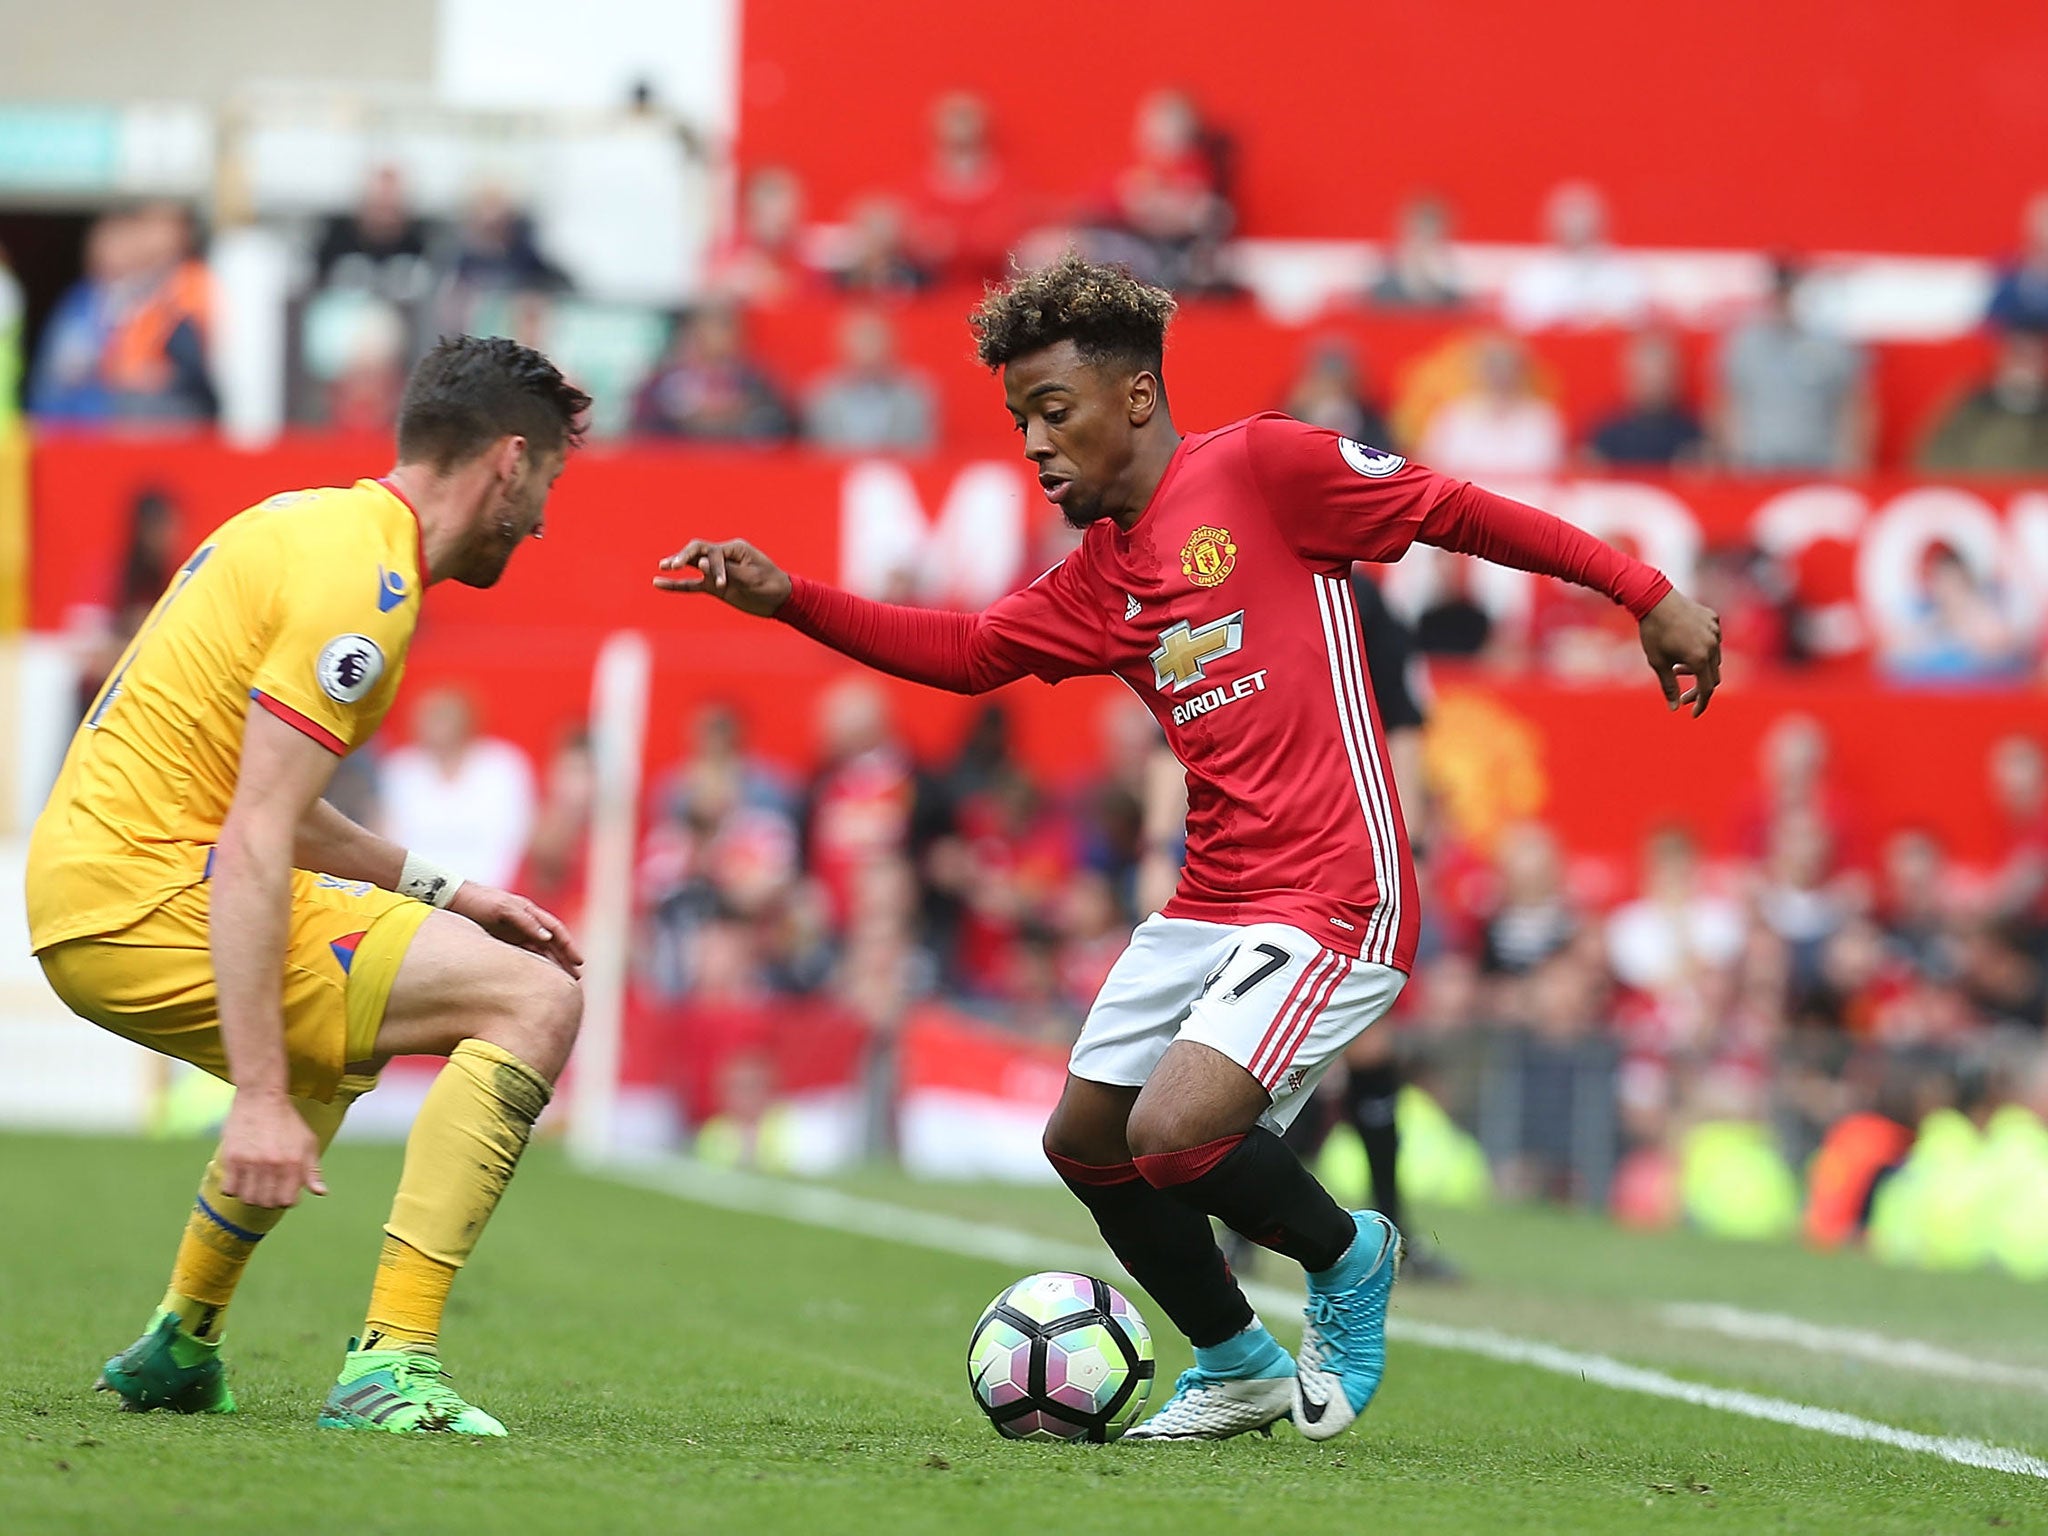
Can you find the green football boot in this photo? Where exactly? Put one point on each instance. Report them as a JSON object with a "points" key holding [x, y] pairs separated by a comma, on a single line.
{"points": [[402, 1392], [168, 1369]]}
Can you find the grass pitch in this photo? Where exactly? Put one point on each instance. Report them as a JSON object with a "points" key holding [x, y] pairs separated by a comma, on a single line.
{"points": [[669, 1367]]}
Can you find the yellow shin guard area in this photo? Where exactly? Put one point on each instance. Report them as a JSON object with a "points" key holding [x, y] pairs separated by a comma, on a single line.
{"points": [[220, 1235], [464, 1145], [222, 1232]]}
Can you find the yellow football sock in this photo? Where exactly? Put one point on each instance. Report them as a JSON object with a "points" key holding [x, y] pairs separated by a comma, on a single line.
{"points": [[222, 1232], [464, 1145], [220, 1235]]}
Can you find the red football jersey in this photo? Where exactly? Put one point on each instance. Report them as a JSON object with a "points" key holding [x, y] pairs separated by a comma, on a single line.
{"points": [[1227, 609]]}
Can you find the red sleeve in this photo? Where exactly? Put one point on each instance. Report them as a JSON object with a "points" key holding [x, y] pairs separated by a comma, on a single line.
{"points": [[1047, 630], [1475, 522], [1337, 500]]}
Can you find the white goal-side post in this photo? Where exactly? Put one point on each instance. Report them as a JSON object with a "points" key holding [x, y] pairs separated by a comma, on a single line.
{"points": [[618, 732]]}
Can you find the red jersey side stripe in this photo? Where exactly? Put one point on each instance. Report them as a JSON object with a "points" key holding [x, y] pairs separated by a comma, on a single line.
{"points": [[1376, 768], [1277, 1068], [1389, 910], [299, 722], [1354, 721], [1298, 998]]}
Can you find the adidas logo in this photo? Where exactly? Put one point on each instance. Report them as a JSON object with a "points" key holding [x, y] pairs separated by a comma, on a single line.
{"points": [[1132, 608]]}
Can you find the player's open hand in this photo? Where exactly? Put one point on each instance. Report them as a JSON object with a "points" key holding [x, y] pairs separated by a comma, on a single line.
{"points": [[516, 921], [1682, 639], [267, 1152], [731, 570]]}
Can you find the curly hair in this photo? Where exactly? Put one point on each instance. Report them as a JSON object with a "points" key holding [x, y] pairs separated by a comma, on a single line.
{"points": [[469, 391], [1102, 310]]}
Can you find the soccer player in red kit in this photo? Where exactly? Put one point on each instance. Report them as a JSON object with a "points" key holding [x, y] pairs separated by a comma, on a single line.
{"points": [[1212, 578]]}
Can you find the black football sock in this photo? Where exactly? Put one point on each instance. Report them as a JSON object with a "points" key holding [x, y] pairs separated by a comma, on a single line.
{"points": [[1370, 1099], [1256, 1186], [1166, 1245]]}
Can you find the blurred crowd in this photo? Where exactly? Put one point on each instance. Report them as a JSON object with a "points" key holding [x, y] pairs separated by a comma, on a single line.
{"points": [[1777, 389]]}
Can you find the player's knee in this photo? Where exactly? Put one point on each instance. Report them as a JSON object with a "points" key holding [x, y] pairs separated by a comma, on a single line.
{"points": [[541, 1025], [1160, 1128], [1090, 1134], [555, 1009]]}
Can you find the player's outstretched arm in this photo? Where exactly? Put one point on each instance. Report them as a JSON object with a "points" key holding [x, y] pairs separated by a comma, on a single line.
{"points": [[960, 652], [267, 1152], [1681, 638]]}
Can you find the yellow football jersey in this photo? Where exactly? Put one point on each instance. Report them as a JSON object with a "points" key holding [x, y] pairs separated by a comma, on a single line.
{"points": [[305, 603]]}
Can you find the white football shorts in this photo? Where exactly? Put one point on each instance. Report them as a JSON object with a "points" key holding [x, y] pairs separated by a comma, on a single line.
{"points": [[1267, 995]]}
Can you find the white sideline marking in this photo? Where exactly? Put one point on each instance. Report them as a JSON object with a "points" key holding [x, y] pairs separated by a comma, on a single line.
{"points": [[834, 1210], [1853, 1343]]}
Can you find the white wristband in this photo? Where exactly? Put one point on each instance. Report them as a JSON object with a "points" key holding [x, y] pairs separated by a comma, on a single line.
{"points": [[424, 880]]}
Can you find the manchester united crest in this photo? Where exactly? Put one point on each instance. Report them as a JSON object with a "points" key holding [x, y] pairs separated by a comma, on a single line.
{"points": [[1208, 556]]}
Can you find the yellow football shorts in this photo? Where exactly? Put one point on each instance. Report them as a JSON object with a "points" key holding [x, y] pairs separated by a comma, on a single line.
{"points": [[152, 981]]}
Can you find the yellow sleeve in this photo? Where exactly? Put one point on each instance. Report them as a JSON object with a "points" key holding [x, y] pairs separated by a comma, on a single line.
{"points": [[337, 641]]}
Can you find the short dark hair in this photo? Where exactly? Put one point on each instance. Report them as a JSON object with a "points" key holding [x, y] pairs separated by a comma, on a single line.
{"points": [[1103, 310], [469, 391]]}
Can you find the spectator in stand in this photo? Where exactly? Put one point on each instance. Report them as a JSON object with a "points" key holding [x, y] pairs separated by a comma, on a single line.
{"points": [[1453, 622], [864, 796], [1675, 930], [719, 867], [2019, 302], [557, 854], [1532, 920], [968, 210], [11, 309], [879, 260], [1791, 397], [763, 265], [1420, 268], [495, 249], [1580, 281], [380, 247], [1564, 1135], [1018, 858], [1798, 897], [1172, 200], [1915, 901], [2018, 772], [155, 365], [67, 384], [364, 395], [1330, 392], [1957, 631], [708, 390], [871, 403], [128, 341], [1794, 777], [1502, 427], [718, 757], [1653, 428], [463, 800], [2001, 428]]}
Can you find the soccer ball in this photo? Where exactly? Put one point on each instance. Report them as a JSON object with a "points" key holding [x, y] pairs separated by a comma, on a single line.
{"points": [[1061, 1357]]}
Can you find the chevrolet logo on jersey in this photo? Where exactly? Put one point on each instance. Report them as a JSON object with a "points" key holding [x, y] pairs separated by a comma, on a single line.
{"points": [[1184, 652]]}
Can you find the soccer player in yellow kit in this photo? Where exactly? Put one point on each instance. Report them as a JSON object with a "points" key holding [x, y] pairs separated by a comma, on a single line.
{"points": [[189, 889]]}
